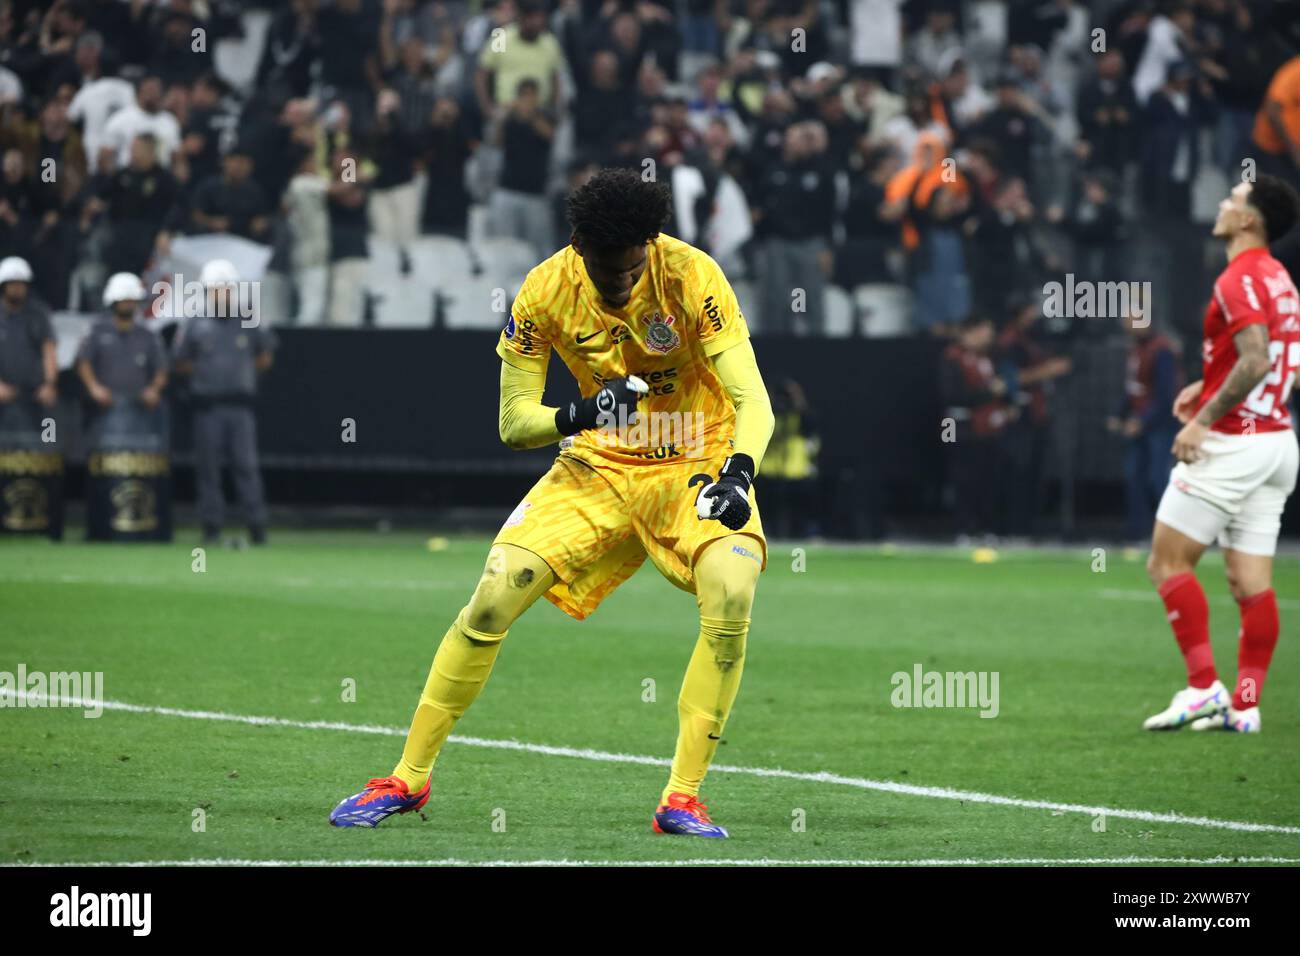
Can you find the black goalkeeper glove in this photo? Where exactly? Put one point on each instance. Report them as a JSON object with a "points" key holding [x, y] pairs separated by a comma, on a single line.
{"points": [[727, 499], [617, 400]]}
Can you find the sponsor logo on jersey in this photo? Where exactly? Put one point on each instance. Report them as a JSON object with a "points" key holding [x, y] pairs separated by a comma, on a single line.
{"points": [[659, 333], [662, 382], [711, 310], [525, 332], [663, 451], [617, 335]]}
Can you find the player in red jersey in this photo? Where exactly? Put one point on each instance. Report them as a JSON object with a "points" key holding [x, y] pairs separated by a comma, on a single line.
{"points": [[1238, 459]]}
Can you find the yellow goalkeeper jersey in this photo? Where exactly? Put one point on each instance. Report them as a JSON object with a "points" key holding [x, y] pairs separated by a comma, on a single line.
{"points": [[682, 312]]}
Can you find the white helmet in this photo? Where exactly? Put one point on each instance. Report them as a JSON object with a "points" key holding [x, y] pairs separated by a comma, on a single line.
{"points": [[123, 286], [219, 272], [14, 269]]}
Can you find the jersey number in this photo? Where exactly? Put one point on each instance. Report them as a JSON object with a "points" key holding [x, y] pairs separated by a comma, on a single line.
{"points": [[1261, 399]]}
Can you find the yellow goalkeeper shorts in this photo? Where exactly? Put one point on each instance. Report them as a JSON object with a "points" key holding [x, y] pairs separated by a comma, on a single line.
{"points": [[593, 521]]}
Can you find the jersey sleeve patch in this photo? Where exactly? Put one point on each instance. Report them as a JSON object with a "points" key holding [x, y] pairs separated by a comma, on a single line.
{"points": [[719, 323]]}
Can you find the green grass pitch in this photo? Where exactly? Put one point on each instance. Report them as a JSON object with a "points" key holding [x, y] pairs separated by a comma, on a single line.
{"points": [[1082, 656]]}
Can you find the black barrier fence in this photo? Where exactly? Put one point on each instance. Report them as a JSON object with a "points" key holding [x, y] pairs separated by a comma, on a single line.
{"points": [[407, 419]]}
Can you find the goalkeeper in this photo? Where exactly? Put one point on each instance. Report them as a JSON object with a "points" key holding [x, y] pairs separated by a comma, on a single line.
{"points": [[658, 454]]}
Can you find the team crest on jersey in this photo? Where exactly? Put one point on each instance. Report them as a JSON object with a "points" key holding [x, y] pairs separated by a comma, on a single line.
{"points": [[660, 336]]}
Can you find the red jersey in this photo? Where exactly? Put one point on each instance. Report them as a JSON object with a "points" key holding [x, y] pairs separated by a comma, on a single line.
{"points": [[1253, 289]]}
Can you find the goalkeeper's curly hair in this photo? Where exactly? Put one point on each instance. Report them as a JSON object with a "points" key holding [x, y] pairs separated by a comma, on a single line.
{"points": [[617, 209]]}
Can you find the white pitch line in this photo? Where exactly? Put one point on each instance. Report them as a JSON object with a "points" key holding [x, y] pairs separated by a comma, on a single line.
{"points": [[862, 783], [1028, 861]]}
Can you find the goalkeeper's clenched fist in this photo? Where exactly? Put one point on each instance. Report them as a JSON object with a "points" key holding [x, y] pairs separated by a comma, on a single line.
{"points": [[617, 400], [727, 499]]}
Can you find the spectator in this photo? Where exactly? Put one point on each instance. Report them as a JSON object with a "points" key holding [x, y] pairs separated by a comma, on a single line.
{"points": [[349, 59], [1107, 114], [710, 105], [876, 32], [177, 59], [939, 36], [347, 194], [843, 132], [1238, 68], [526, 50], [795, 214], [1277, 124], [903, 130], [139, 203], [875, 105], [1170, 150], [868, 235], [1030, 370], [395, 198], [22, 203], [1169, 40], [928, 198], [965, 101], [99, 98], [232, 202], [309, 225], [977, 413], [278, 135], [445, 147], [1145, 420], [292, 46], [1015, 126], [55, 160], [518, 205], [416, 87], [1095, 225], [601, 116], [145, 116], [209, 127]]}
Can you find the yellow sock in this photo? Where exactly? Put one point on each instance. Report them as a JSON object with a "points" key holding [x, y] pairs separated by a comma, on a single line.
{"points": [[708, 691], [460, 669]]}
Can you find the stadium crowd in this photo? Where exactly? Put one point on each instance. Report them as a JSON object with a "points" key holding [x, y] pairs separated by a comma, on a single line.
{"points": [[965, 150], [849, 162]]}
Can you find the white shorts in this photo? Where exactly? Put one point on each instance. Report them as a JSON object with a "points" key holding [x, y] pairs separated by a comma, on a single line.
{"points": [[1236, 493]]}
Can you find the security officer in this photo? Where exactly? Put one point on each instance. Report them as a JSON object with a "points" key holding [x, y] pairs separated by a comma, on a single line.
{"points": [[223, 354], [123, 364], [28, 367]]}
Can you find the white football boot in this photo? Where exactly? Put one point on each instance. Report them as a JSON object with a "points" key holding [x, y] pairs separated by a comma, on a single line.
{"points": [[1239, 721], [1189, 704]]}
